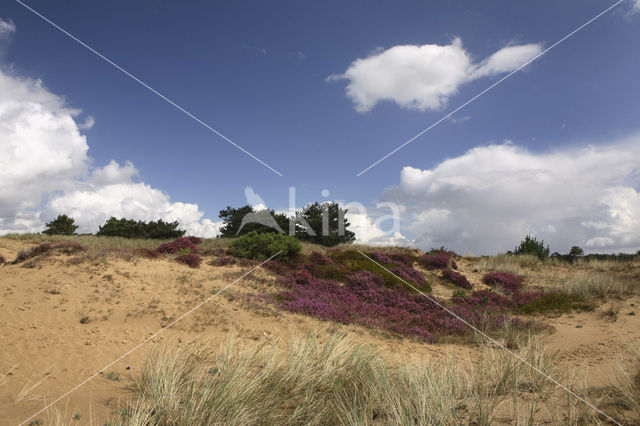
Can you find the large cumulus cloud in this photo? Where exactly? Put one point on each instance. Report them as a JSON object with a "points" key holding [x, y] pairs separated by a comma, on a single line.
{"points": [[45, 170], [489, 198]]}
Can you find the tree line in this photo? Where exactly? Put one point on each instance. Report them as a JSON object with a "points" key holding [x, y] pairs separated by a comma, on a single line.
{"points": [[320, 223]]}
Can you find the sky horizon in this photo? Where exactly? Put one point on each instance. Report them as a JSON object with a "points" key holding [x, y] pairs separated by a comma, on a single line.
{"points": [[319, 92]]}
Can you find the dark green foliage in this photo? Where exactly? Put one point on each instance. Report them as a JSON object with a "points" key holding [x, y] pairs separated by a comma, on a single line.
{"points": [[555, 303], [329, 234], [129, 228], [62, 225], [576, 251], [1, 260], [232, 219], [532, 246], [261, 246], [459, 293]]}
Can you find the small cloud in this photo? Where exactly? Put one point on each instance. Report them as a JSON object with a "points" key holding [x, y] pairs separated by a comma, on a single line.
{"points": [[460, 120], [302, 56], [636, 6], [424, 77], [260, 50], [88, 123], [6, 27]]}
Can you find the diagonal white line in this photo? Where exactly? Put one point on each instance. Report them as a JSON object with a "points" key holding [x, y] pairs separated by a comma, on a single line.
{"points": [[181, 317], [146, 86], [495, 342], [492, 86]]}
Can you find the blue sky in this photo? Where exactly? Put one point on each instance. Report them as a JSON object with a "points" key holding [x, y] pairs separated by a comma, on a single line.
{"points": [[257, 72]]}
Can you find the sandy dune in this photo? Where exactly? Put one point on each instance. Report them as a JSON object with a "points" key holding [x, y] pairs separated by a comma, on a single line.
{"points": [[66, 317]]}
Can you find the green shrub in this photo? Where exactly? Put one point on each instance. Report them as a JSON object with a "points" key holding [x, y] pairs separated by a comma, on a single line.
{"points": [[62, 225], [129, 228], [532, 246], [261, 246]]}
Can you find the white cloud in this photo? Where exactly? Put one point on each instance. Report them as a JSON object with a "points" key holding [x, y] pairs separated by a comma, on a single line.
{"points": [[368, 232], [6, 27], [489, 198], [88, 123], [636, 5], [424, 77], [44, 161]]}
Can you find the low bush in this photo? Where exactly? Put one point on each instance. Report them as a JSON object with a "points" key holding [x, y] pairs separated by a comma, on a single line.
{"points": [[509, 283], [191, 259], [147, 253], [69, 247], [194, 240], [223, 261], [555, 302], [438, 261], [443, 250], [176, 245], [2, 259], [261, 246], [66, 247], [456, 278]]}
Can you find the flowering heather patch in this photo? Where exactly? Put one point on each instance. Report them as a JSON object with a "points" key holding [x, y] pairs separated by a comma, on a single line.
{"points": [[402, 259], [456, 278], [147, 253], [223, 261], [194, 240], [449, 253], [191, 259], [409, 274], [176, 245], [380, 257], [365, 300], [507, 282], [438, 261], [320, 259]]}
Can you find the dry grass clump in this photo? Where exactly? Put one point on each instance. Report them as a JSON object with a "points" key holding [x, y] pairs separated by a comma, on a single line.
{"points": [[94, 242], [519, 265], [626, 381], [599, 284], [334, 382]]}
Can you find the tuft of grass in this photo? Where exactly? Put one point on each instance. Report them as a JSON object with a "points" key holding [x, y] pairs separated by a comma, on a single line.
{"points": [[626, 381], [335, 382], [599, 284], [518, 265], [113, 376]]}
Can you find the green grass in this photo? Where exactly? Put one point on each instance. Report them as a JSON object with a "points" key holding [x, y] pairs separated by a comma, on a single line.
{"points": [[556, 302]]}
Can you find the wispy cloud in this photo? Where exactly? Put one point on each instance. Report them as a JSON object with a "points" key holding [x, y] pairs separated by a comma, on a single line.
{"points": [[260, 50], [6, 27]]}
